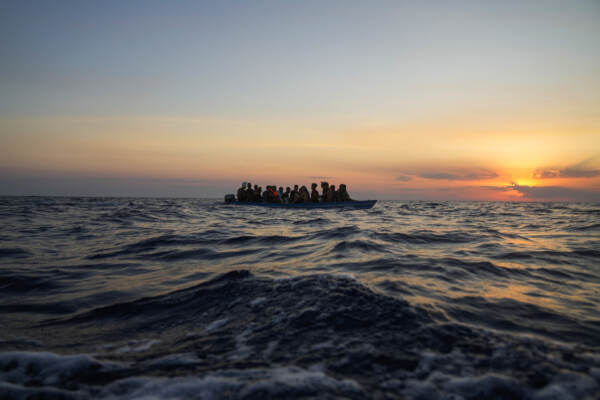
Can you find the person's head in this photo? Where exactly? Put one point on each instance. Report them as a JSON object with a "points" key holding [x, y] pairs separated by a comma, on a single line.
{"points": [[304, 189], [295, 187], [332, 187], [342, 187], [281, 188], [249, 185], [255, 187], [324, 185], [313, 186], [244, 185], [287, 189]]}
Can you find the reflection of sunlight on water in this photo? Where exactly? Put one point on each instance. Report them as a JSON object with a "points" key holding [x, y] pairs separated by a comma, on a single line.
{"points": [[522, 293], [430, 253]]}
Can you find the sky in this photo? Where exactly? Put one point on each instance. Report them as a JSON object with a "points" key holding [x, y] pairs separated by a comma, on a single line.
{"points": [[444, 100]]}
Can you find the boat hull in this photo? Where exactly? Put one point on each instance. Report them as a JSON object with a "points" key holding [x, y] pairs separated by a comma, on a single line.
{"points": [[362, 204]]}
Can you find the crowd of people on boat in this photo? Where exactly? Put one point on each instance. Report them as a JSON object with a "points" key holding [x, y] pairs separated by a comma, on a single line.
{"points": [[248, 193]]}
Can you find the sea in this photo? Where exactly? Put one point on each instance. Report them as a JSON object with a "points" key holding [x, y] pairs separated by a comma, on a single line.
{"points": [[157, 298]]}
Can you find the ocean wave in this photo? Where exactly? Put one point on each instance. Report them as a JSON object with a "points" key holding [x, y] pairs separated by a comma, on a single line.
{"points": [[361, 245], [188, 297], [13, 282], [427, 237], [316, 336], [515, 316], [14, 252]]}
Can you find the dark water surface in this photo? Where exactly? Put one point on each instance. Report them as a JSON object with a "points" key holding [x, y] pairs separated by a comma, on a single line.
{"points": [[181, 298]]}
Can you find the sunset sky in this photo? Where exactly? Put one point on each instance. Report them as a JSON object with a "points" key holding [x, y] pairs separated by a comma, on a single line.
{"points": [[410, 100]]}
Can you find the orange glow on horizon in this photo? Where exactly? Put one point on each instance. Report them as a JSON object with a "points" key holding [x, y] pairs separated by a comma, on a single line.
{"points": [[410, 160]]}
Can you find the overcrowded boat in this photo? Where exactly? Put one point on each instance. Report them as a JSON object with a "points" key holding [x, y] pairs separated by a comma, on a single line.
{"points": [[298, 197]]}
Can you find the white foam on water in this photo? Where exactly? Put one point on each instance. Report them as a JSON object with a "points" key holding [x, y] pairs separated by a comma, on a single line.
{"points": [[415, 389], [25, 375], [297, 380], [271, 347], [173, 360], [322, 346], [257, 301], [41, 374], [277, 382], [215, 325], [242, 350], [137, 346], [13, 391], [145, 388], [568, 386], [45, 368], [484, 386]]}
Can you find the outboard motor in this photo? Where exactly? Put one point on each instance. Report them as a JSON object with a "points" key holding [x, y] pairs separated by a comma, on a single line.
{"points": [[229, 198]]}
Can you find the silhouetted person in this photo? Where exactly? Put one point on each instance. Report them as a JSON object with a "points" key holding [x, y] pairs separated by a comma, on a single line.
{"points": [[343, 194], [324, 190], [259, 195], [331, 194], [241, 193], [314, 194], [268, 195], [286, 195], [294, 195], [273, 195], [304, 196]]}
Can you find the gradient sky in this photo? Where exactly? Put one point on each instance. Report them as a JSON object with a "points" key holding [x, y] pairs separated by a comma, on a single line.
{"points": [[405, 100]]}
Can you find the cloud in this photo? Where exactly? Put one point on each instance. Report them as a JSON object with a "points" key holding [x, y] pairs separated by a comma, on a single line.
{"points": [[403, 178], [565, 173], [459, 175], [556, 193], [496, 188], [584, 169], [579, 173], [545, 173]]}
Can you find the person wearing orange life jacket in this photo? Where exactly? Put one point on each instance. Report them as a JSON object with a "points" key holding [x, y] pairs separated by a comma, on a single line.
{"points": [[273, 196]]}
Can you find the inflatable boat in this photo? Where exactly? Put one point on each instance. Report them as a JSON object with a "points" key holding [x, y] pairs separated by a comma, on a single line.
{"points": [[356, 204]]}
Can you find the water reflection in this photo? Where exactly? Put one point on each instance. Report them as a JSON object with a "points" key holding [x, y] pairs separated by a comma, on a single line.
{"points": [[434, 254]]}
